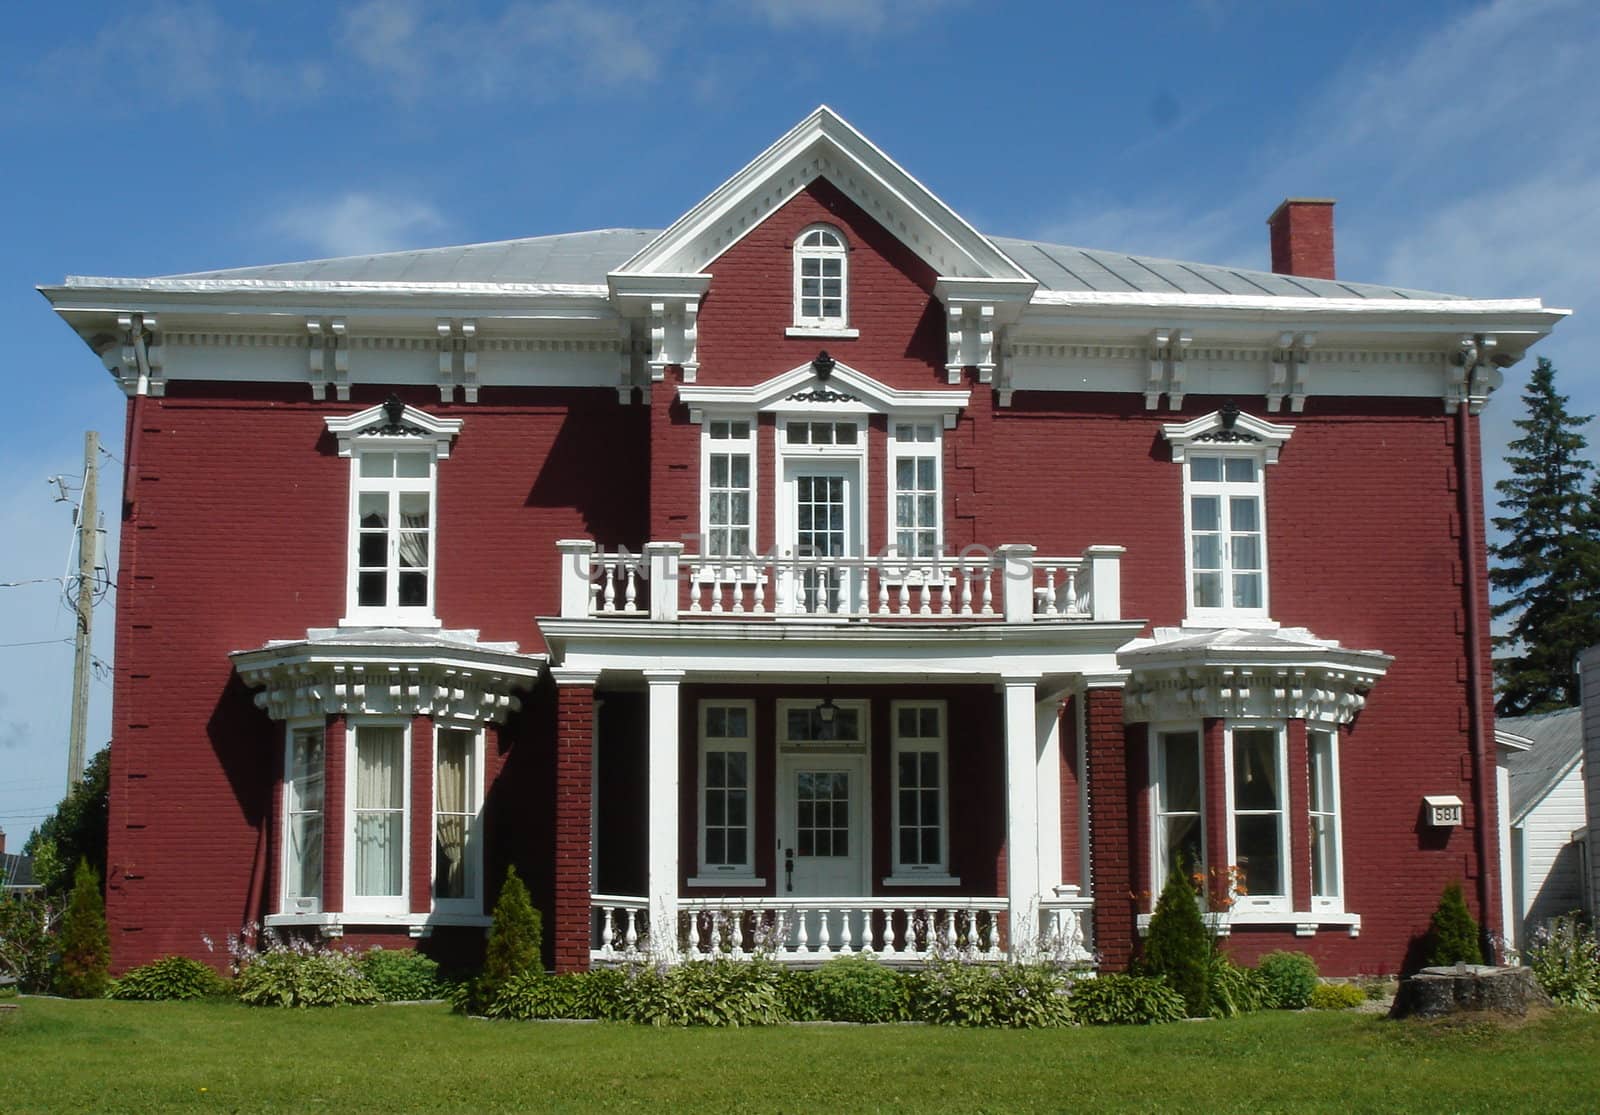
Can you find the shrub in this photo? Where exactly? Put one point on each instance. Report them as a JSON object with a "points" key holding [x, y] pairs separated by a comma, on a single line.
{"points": [[402, 975], [798, 997], [516, 940], [1234, 990], [1289, 978], [1115, 999], [27, 948], [296, 974], [859, 989], [171, 977], [1337, 996], [1178, 947], [84, 969], [1565, 959], [1453, 938], [1018, 996], [702, 993]]}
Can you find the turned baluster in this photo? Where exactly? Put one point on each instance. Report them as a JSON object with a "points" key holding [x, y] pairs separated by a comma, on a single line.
{"points": [[988, 591], [758, 589], [802, 935], [824, 933], [606, 933], [969, 577], [1072, 593], [632, 571], [630, 931], [883, 594]]}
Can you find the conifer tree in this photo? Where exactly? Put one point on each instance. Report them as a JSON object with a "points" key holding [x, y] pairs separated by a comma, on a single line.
{"points": [[83, 972], [517, 936], [1548, 567], [1178, 946], [1454, 933]]}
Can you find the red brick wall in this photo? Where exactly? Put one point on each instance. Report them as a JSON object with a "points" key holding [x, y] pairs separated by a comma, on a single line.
{"points": [[574, 771], [1112, 793], [1071, 797]]}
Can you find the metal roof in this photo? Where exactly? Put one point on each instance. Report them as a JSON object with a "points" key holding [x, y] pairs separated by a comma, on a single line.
{"points": [[587, 257], [1557, 745]]}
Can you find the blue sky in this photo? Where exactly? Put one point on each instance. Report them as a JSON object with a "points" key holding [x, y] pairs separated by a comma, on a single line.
{"points": [[1461, 139]]}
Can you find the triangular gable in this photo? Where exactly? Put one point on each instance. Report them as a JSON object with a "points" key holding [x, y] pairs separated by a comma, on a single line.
{"points": [[823, 145], [826, 384]]}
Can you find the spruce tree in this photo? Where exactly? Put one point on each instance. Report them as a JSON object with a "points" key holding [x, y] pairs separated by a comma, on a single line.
{"points": [[517, 936], [1548, 567], [84, 970], [1454, 934], [1178, 946]]}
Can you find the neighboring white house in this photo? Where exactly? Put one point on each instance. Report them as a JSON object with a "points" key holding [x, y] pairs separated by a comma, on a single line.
{"points": [[1547, 820]]}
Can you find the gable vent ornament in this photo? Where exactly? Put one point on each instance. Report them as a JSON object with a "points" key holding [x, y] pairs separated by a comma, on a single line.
{"points": [[823, 365], [395, 424], [1228, 431]]}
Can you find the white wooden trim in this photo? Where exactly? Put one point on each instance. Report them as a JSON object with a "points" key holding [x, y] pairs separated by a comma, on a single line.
{"points": [[1253, 902], [376, 904], [1023, 893], [661, 873], [306, 904], [472, 901]]}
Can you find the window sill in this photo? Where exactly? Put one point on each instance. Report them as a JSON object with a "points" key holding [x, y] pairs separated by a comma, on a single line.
{"points": [[390, 619], [922, 881], [334, 924], [1218, 621], [1304, 923], [726, 881], [825, 332]]}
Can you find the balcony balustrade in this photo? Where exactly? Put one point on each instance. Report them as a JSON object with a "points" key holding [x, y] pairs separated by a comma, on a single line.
{"points": [[1009, 584]]}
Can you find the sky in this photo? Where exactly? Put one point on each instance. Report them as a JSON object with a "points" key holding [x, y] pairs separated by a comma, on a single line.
{"points": [[1461, 139]]}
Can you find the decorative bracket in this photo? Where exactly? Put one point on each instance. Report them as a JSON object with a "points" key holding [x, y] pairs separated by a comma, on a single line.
{"points": [[1472, 373], [1291, 371], [970, 332], [138, 364], [458, 359], [675, 338], [1176, 369], [1159, 339]]}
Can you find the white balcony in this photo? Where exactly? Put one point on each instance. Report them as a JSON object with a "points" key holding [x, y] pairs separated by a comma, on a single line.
{"points": [[1009, 584], [807, 932]]}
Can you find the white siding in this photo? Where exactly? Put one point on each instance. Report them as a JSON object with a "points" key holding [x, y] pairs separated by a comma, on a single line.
{"points": [[1550, 881], [1589, 665]]}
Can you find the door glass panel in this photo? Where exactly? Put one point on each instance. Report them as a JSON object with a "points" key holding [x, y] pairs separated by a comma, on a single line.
{"points": [[822, 813]]}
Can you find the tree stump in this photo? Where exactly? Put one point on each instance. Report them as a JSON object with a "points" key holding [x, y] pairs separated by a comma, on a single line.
{"points": [[1436, 992]]}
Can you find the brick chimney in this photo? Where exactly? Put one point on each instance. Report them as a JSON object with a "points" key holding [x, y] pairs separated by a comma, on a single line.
{"points": [[1302, 237]]}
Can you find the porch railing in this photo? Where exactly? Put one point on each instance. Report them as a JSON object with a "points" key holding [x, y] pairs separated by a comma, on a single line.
{"points": [[811, 931], [1009, 584]]}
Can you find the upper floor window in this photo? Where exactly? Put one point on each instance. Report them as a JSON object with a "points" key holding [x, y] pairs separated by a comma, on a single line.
{"points": [[394, 451], [1224, 456], [821, 274], [729, 471]]}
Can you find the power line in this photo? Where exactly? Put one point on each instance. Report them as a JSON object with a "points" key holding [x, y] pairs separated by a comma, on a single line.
{"points": [[35, 643], [32, 581]]}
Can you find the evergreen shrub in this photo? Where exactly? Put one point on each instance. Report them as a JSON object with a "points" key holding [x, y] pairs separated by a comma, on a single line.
{"points": [[1289, 979], [1119, 999], [170, 978], [1453, 937], [83, 970], [1178, 947]]}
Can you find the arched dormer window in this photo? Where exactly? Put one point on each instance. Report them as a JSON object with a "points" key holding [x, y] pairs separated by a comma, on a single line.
{"points": [[821, 278]]}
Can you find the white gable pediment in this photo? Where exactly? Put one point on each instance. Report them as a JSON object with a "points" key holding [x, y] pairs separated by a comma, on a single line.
{"points": [[823, 145], [824, 386], [1227, 426], [392, 419]]}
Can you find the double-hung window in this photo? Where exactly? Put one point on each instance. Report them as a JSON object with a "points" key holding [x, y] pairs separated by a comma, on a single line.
{"points": [[1257, 808], [393, 533], [458, 791], [821, 274], [729, 471], [1227, 535], [378, 788], [921, 791], [727, 782], [1322, 758], [915, 498], [1179, 805], [303, 820]]}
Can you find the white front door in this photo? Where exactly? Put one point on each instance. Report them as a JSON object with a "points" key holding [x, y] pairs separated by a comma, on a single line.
{"points": [[821, 829], [821, 523]]}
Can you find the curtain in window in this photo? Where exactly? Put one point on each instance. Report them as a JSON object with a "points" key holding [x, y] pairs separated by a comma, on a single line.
{"points": [[414, 540], [450, 813], [380, 811]]}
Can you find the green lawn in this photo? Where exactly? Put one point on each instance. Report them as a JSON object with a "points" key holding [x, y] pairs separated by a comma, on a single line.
{"points": [[71, 1056]]}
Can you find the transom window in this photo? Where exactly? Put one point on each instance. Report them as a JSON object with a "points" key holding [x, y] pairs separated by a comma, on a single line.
{"points": [[1227, 534], [921, 828], [727, 773], [820, 272], [820, 433]]}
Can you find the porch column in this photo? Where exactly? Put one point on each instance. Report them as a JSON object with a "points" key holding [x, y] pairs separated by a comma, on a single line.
{"points": [[1047, 729], [1022, 815], [661, 857], [574, 839]]}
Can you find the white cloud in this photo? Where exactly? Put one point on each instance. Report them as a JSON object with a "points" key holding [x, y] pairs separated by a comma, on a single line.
{"points": [[175, 53], [867, 16], [358, 223], [537, 51]]}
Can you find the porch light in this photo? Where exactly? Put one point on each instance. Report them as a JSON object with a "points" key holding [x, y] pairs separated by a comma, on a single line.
{"points": [[826, 711]]}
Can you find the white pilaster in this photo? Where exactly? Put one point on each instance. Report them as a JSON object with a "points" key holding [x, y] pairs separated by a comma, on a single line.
{"points": [[1022, 814], [661, 857], [1047, 731]]}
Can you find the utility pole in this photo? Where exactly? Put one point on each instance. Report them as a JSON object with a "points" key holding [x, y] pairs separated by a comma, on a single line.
{"points": [[88, 553]]}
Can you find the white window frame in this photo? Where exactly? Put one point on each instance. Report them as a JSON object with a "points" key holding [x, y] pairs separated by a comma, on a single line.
{"points": [[727, 874], [861, 707], [472, 901], [1225, 491], [1157, 765], [1326, 903], [376, 904], [1252, 901], [710, 446], [391, 611], [917, 874], [840, 250], [300, 904], [914, 449]]}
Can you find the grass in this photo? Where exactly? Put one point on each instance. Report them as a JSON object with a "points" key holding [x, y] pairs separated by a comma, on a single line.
{"points": [[71, 1056]]}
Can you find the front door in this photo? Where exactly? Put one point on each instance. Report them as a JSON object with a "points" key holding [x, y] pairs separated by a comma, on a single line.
{"points": [[821, 850]]}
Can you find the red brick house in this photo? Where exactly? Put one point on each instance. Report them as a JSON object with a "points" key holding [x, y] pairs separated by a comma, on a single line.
{"points": [[818, 565]]}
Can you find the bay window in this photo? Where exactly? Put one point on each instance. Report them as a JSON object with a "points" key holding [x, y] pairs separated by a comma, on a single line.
{"points": [[378, 791], [457, 783], [1322, 759], [1258, 837], [303, 820], [1179, 805]]}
